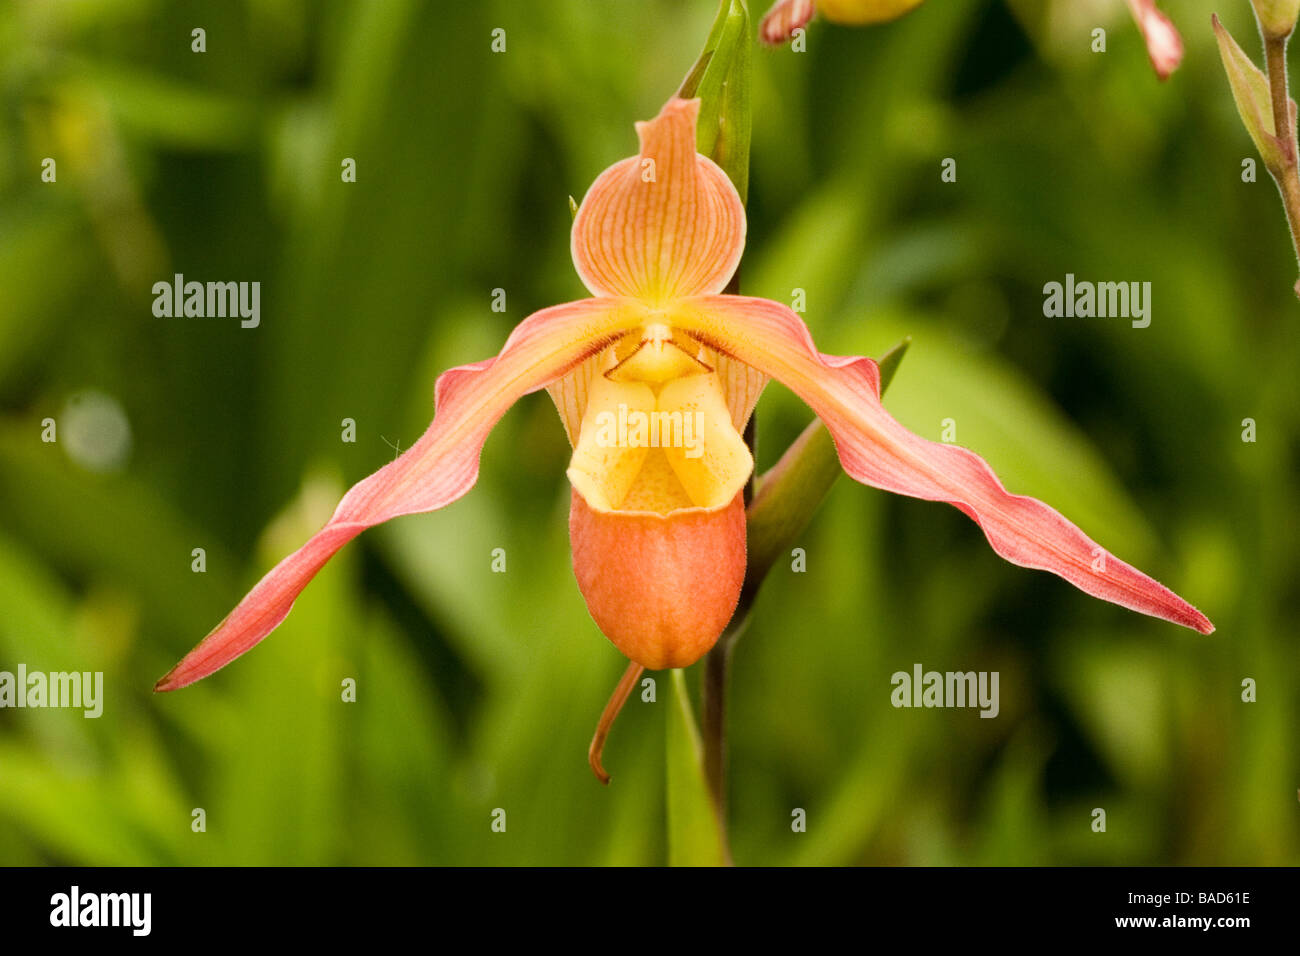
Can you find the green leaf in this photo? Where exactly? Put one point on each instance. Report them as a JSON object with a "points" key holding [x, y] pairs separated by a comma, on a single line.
{"points": [[161, 109], [1251, 93], [890, 361], [721, 78], [694, 834], [691, 85]]}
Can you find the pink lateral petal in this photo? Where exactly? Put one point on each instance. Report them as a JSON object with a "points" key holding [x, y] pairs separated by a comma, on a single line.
{"points": [[876, 450], [440, 468]]}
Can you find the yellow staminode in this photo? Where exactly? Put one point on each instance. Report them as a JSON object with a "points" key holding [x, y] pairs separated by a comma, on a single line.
{"points": [[657, 435]]}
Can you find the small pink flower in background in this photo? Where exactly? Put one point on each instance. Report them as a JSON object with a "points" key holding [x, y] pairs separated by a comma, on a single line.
{"points": [[1164, 45], [783, 19]]}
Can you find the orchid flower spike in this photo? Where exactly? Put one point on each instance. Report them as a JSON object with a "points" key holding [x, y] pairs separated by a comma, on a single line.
{"points": [[655, 376], [786, 16]]}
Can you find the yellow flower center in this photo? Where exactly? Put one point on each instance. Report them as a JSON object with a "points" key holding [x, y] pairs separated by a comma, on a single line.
{"points": [[657, 435]]}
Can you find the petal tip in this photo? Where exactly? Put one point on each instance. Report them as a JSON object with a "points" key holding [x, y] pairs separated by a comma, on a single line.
{"points": [[167, 682], [676, 110], [180, 676]]}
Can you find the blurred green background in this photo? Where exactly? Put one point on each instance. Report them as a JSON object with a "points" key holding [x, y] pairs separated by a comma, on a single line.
{"points": [[479, 690]]}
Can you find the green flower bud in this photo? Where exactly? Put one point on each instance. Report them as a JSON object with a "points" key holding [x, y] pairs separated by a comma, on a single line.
{"points": [[1277, 17]]}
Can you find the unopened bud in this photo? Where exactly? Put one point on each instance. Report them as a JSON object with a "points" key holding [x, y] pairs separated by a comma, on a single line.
{"points": [[1276, 17]]}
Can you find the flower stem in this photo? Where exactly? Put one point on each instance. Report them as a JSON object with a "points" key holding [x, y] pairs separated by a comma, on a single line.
{"points": [[713, 724], [713, 706], [1287, 175], [717, 663]]}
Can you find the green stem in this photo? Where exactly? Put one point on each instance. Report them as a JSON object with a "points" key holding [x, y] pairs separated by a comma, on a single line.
{"points": [[1287, 176], [1275, 59], [713, 724]]}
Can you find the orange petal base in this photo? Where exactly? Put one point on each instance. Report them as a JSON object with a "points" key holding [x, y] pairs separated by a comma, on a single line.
{"points": [[661, 588]]}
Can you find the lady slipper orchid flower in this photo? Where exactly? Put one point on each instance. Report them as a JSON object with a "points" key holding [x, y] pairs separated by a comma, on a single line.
{"points": [[786, 16], [654, 377]]}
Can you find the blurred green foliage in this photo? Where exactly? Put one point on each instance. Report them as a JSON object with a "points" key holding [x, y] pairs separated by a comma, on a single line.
{"points": [[479, 690]]}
